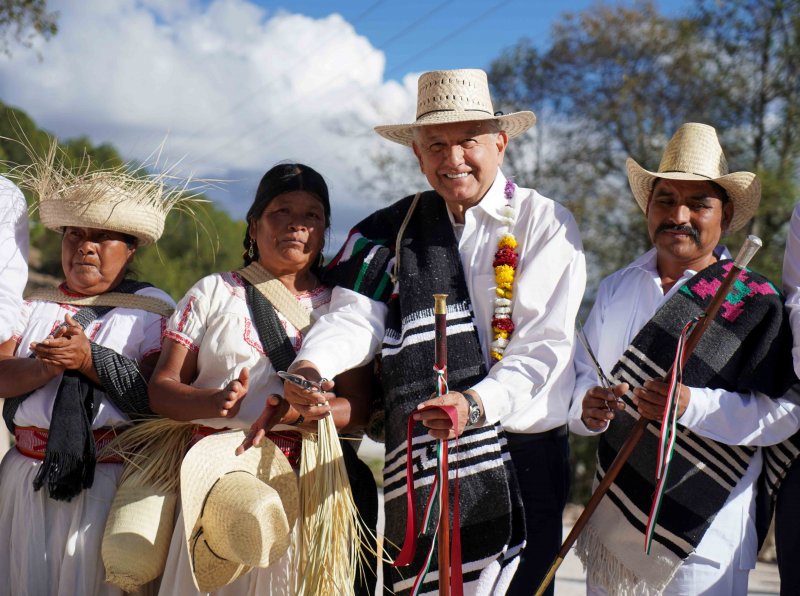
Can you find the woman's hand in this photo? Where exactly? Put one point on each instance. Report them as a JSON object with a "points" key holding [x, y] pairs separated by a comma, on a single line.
{"points": [[310, 403], [274, 411], [67, 349], [227, 401], [600, 404]]}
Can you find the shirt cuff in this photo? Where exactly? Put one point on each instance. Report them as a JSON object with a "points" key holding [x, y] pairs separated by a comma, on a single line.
{"points": [[494, 397], [324, 360], [697, 409]]}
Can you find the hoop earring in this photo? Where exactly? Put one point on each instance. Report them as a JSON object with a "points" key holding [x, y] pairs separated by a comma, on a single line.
{"points": [[250, 251]]}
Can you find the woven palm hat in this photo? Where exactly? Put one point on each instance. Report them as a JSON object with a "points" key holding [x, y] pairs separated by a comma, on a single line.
{"points": [[238, 511], [108, 201], [694, 153], [446, 96]]}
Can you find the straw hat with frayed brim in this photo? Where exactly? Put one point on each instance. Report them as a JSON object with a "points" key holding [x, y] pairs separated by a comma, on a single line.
{"points": [[238, 511], [122, 198], [102, 201], [694, 153], [447, 96]]}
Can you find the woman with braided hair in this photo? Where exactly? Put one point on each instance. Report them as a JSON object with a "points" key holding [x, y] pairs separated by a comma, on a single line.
{"points": [[222, 349]]}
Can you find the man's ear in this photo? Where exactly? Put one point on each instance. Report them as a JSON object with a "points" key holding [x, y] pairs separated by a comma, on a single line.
{"points": [[417, 154], [501, 142], [727, 215]]}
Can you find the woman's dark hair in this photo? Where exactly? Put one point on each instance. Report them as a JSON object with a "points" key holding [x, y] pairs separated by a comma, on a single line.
{"points": [[280, 179]]}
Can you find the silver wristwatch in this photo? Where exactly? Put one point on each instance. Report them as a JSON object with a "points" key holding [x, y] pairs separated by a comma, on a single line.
{"points": [[474, 412]]}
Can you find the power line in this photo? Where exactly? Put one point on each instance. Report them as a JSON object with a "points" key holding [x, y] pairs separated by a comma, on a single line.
{"points": [[300, 59], [294, 127]]}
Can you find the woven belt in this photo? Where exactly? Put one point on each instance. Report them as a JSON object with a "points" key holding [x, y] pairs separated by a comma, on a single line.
{"points": [[31, 441], [289, 442]]}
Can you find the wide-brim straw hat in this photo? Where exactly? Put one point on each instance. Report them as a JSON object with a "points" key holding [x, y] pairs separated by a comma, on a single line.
{"points": [[694, 153], [102, 201], [238, 511], [447, 96]]}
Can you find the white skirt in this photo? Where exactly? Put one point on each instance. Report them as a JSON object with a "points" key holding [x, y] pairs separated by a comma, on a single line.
{"points": [[177, 578], [53, 546]]}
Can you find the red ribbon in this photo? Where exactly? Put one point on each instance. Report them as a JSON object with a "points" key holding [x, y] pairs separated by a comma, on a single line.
{"points": [[406, 555]]}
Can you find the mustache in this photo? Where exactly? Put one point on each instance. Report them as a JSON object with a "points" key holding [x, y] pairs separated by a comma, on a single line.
{"points": [[695, 235]]}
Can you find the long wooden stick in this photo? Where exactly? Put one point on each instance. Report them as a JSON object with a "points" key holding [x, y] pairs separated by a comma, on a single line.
{"points": [[749, 248], [443, 540]]}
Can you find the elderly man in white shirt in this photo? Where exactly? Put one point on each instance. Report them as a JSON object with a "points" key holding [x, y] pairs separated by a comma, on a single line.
{"points": [[512, 264], [13, 265], [689, 202]]}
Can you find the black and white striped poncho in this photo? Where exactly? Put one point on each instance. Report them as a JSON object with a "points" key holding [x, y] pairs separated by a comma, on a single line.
{"points": [[491, 509], [746, 348]]}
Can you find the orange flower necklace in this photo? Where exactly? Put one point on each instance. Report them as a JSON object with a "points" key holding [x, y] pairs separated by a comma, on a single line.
{"points": [[505, 266]]}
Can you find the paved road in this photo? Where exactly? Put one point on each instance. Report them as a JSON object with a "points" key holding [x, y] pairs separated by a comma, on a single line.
{"points": [[570, 579]]}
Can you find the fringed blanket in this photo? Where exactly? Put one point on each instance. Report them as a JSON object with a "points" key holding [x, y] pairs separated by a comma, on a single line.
{"points": [[746, 348], [491, 514]]}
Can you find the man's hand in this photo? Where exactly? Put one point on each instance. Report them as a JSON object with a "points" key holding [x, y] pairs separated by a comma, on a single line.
{"points": [[67, 349], [274, 411], [651, 398], [437, 422], [227, 401], [600, 404]]}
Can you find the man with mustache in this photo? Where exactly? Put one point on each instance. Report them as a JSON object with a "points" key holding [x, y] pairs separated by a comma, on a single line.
{"points": [[728, 401]]}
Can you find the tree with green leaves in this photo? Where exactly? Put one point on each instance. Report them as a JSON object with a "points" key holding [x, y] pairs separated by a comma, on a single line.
{"points": [[23, 20], [617, 81], [190, 248]]}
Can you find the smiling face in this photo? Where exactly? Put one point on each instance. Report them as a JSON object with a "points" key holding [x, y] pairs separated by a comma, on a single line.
{"points": [[685, 220], [460, 160], [94, 260], [290, 233]]}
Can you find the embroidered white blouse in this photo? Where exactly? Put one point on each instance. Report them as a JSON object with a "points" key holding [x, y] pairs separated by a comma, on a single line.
{"points": [[133, 333], [529, 389], [13, 255], [214, 321], [626, 300]]}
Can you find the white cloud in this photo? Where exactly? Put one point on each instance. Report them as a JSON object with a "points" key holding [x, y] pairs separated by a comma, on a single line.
{"points": [[233, 88]]}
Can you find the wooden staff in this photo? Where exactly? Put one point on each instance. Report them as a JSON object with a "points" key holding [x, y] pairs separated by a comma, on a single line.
{"points": [[443, 540], [749, 248]]}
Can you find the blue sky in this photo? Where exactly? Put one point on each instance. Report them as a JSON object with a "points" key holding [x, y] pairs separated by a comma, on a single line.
{"points": [[232, 87], [431, 35]]}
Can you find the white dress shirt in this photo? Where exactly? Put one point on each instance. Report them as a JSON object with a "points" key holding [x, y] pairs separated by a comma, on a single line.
{"points": [[529, 390], [791, 282], [626, 300], [13, 255]]}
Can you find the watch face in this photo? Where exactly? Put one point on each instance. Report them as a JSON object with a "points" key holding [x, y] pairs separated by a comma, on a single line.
{"points": [[474, 414]]}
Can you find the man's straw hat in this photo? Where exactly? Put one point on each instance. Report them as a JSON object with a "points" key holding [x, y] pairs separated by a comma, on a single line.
{"points": [[238, 511], [446, 96], [694, 153]]}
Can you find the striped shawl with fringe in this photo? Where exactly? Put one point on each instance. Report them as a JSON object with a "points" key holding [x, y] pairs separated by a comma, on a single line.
{"points": [[746, 348], [491, 516]]}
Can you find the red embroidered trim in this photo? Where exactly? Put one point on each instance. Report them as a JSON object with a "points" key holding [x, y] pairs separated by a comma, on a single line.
{"points": [[181, 339], [185, 313]]}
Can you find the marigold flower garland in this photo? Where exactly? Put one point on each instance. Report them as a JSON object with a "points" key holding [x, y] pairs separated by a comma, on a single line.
{"points": [[505, 266]]}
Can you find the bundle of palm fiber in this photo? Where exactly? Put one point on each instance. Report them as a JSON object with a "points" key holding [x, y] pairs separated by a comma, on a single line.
{"points": [[142, 516], [330, 539]]}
